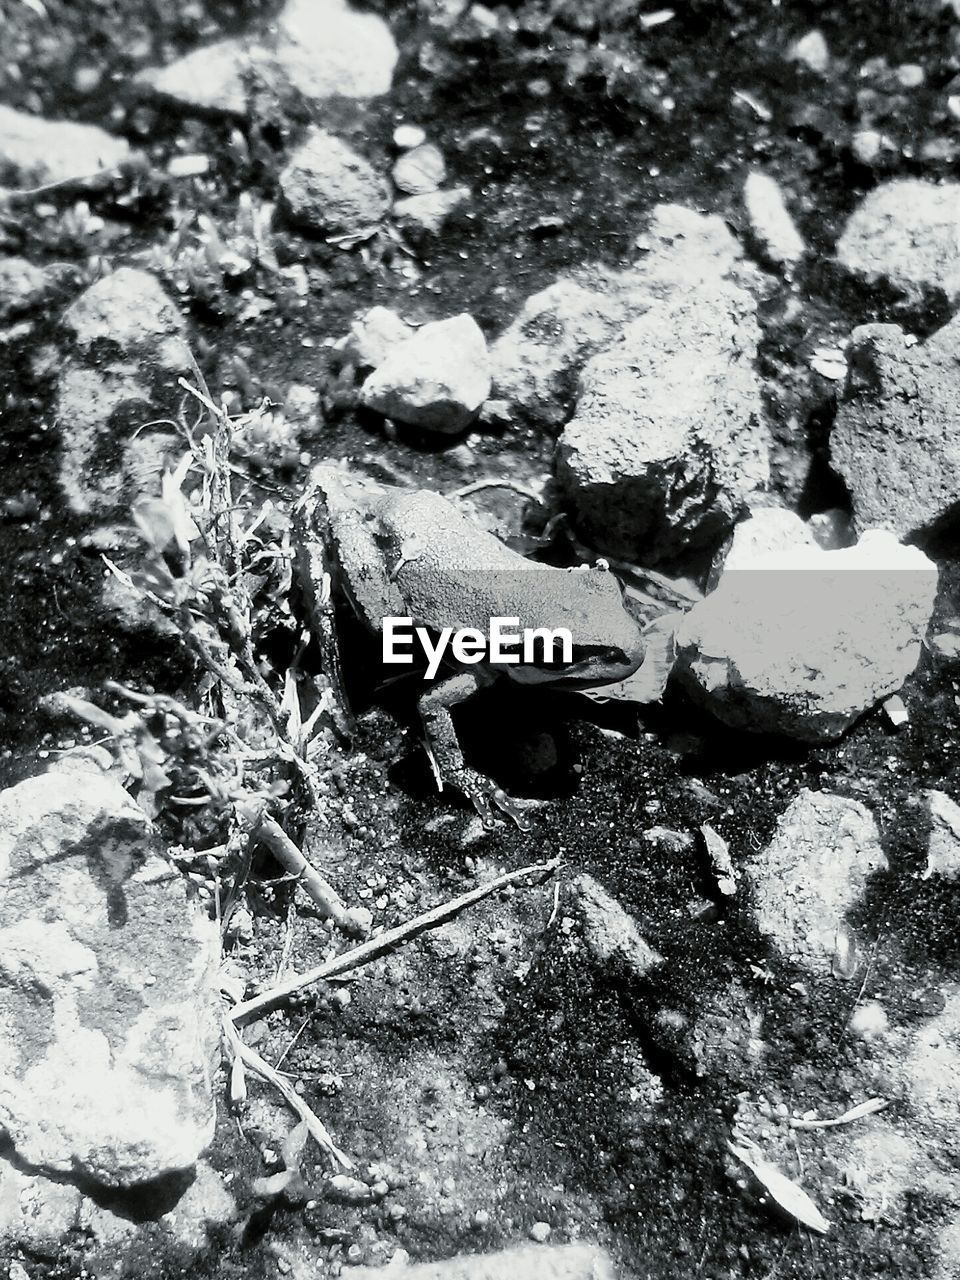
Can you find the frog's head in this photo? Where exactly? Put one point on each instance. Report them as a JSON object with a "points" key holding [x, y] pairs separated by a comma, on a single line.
{"points": [[607, 644]]}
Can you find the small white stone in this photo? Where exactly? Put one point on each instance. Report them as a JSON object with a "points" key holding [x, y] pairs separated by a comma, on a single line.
{"points": [[408, 136], [896, 712], [812, 51], [540, 1231], [770, 220], [188, 166]]}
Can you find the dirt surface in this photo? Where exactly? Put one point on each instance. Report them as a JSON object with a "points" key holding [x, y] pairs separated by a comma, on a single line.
{"points": [[493, 1072]]}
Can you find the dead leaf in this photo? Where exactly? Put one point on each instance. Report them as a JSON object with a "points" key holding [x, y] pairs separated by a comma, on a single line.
{"points": [[791, 1198]]}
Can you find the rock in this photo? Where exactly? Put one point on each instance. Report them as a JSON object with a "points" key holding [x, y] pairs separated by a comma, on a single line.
{"points": [[667, 441], [536, 360], [768, 529], [866, 145], [107, 988], [811, 875], [419, 171], [529, 1262], [213, 77], [540, 1232], [610, 933], [327, 49], [126, 352], [770, 221], [408, 136], [328, 187], [905, 234], [424, 216], [35, 151], [22, 287], [943, 845], [373, 337], [436, 379], [36, 1213], [321, 48], [832, 529], [803, 642], [812, 51], [893, 441]]}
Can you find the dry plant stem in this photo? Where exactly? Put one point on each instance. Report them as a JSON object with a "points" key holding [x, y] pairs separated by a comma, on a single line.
{"points": [[328, 902], [379, 946], [255, 1063]]}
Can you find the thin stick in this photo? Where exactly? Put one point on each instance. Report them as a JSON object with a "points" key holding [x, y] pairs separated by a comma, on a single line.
{"points": [[328, 902], [868, 1108], [376, 947], [250, 1058]]}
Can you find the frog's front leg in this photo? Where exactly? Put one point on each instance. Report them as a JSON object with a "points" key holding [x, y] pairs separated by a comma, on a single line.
{"points": [[315, 580], [435, 710]]}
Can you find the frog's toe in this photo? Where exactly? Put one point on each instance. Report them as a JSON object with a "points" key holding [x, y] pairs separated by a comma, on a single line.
{"points": [[506, 804], [486, 797]]}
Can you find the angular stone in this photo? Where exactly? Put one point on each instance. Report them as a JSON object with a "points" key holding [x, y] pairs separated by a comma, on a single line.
{"points": [[906, 233], [321, 48], [894, 441], [372, 337], [424, 215], [35, 151], [610, 933], [536, 360], [327, 187], [436, 379], [326, 48], [803, 642], [22, 286], [667, 441], [943, 845], [213, 77], [107, 988], [126, 353], [811, 874]]}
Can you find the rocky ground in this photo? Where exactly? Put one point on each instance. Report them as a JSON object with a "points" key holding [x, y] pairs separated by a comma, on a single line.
{"points": [[670, 286]]}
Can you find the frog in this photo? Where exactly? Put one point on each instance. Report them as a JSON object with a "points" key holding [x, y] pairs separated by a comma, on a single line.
{"points": [[393, 552]]}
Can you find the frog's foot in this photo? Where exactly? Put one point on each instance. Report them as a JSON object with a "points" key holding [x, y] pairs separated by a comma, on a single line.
{"points": [[447, 758], [486, 796]]}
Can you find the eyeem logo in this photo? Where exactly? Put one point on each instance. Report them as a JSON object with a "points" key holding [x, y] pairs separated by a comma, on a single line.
{"points": [[504, 643]]}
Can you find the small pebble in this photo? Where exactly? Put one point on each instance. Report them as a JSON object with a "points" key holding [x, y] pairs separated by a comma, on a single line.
{"points": [[540, 1231], [408, 136]]}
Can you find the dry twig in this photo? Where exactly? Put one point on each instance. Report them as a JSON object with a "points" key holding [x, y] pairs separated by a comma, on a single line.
{"points": [[379, 946]]}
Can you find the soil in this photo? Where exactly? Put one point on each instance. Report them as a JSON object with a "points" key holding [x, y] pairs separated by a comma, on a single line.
{"points": [[494, 1073]]}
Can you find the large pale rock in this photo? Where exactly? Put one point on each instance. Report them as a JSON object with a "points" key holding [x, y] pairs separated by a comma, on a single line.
{"points": [[321, 48], [667, 441], [803, 642], [126, 350], [326, 48], [326, 186], [906, 233], [436, 379], [536, 360], [35, 151], [107, 988], [552, 1262], [810, 876], [894, 440]]}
